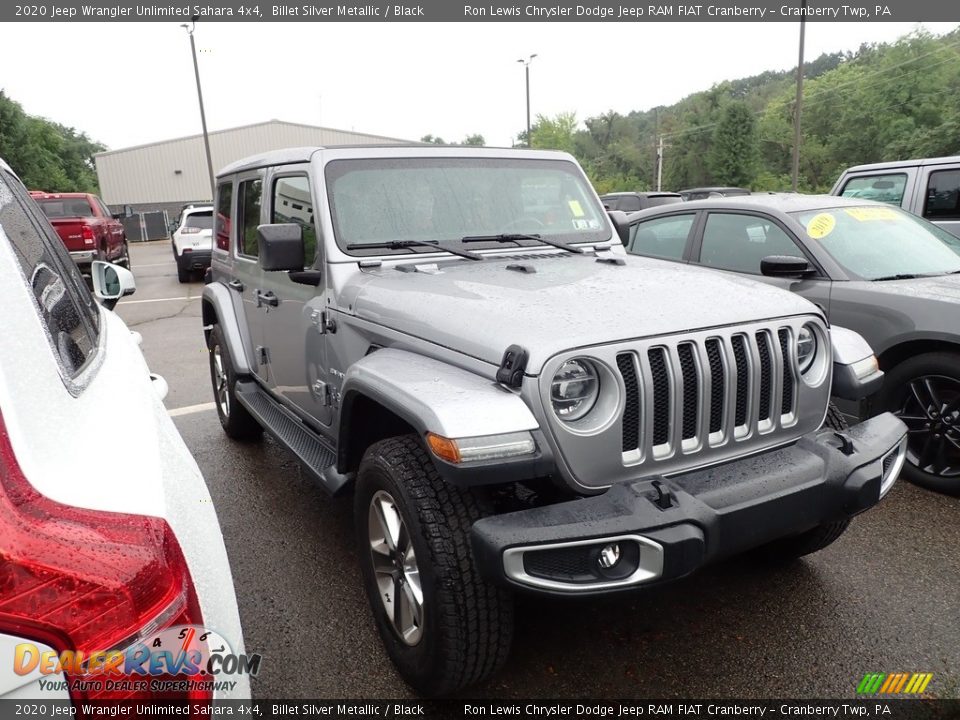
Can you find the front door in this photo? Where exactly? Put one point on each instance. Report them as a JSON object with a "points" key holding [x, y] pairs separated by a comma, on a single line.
{"points": [[294, 332]]}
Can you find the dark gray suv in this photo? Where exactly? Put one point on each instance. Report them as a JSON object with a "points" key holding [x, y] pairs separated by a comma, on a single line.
{"points": [[889, 275]]}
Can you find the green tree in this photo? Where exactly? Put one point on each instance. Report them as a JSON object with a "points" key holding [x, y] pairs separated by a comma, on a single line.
{"points": [[476, 140], [554, 133], [433, 140], [733, 154]]}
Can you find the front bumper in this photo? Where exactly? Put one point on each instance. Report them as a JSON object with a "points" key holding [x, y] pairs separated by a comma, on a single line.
{"points": [[681, 523]]}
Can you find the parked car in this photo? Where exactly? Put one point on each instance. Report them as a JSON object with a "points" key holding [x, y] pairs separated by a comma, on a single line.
{"points": [[108, 537], [929, 187], [702, 193], [889, 275], [633, 201], [192, 239], [86, 226], [516, 403]]}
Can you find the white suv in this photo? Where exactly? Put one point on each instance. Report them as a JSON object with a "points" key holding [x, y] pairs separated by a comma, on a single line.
{"points": [[192, 237], [109, 543]]}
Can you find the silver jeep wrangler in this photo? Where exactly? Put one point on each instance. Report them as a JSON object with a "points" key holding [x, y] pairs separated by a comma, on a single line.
{"points": [[457, 336]]}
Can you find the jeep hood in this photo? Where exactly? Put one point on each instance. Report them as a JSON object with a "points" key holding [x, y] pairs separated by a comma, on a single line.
{"points": [[557, 302]]}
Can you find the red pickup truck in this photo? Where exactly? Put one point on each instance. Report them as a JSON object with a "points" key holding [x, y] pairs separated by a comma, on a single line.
{"points": [[86, 226]]}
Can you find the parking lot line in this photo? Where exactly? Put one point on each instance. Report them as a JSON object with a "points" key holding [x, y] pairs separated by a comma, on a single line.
{"points": [[191, 409], [135, 302]]}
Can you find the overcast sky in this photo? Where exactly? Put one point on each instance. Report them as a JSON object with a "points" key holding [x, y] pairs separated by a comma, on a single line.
{"points": [[130, 83]]}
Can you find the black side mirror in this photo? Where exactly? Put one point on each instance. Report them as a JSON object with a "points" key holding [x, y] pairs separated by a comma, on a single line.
{"points": [[620, 223], [785, 266], [281, 247]]}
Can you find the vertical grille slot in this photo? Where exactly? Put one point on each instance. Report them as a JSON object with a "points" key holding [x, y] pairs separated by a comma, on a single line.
{"points": [[766, 376], [743, 377], [786, 402], [691, 390], [718, 385], [631, 410], [661, 395]]}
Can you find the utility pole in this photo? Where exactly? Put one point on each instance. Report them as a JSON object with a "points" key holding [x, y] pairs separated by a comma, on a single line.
{"points": [[799, 101], [203, 116], [659, 162], [526, 65]]}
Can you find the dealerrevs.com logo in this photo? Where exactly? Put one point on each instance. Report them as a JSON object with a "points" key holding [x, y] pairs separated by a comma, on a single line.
{"points": [[183, 658]]}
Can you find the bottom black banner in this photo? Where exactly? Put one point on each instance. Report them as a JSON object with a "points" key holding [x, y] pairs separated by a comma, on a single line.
{"points": [[456, 709]]}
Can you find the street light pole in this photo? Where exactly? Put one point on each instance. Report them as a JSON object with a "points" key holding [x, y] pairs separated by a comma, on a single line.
{"points": [[526, 65], [203, 116]]}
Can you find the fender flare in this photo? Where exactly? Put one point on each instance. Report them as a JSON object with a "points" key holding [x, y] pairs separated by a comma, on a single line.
{"points": [[218, 308], [431, 396]]}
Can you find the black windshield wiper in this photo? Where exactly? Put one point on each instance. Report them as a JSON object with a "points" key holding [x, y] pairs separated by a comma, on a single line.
{"points": [[899, 276], [401, 244], [514, 237]]}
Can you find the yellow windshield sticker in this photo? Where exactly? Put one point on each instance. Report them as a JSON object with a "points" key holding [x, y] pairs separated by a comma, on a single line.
{"points": [[866, 214], [575, 208], [821, 225]]}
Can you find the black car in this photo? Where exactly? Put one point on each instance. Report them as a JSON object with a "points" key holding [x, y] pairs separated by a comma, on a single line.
{"points": [[889, 275], [633, 201]]}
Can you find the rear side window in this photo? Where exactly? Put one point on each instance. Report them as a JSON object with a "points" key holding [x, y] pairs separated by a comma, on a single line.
{"points": [[248, 213], [943, 196], [66, 207], [886, 188], [66, 307], [292, 203], [224, 203], [663, 237], [202, 220]]}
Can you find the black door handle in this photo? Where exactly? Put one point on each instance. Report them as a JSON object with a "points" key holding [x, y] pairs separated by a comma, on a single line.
{"points": [[267, 298], [235, 285]]}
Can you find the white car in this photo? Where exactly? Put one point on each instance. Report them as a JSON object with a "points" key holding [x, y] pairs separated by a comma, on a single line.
{"points": [[110, 549], [192, 237]]}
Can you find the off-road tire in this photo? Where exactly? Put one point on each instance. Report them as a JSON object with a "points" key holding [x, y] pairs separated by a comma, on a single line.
{"points": [[943, 367], [237, 422], [790, 548], [467, 622]]}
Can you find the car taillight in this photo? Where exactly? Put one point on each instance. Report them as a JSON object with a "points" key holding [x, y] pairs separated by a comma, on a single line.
{"points": [[86, 581], [189, 231], [87, 234]]}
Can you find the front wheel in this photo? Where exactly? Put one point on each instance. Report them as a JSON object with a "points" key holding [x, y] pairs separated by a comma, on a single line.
{"points": [[924, 392], [443, 626], [236, 420]]}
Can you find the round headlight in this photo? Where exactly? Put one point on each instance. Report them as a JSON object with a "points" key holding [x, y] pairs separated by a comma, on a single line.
{"points": [[806, 348], [575, 389]]}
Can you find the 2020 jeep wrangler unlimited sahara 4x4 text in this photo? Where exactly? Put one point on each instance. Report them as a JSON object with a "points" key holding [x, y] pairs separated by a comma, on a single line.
{"points": [[458, 336]]}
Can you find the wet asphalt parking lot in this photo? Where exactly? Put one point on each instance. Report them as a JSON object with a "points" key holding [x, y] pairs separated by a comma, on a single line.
{"points": [[883, 598]]}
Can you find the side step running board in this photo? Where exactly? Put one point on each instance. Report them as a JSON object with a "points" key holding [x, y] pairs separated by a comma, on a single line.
{"points": [[316, 456]]}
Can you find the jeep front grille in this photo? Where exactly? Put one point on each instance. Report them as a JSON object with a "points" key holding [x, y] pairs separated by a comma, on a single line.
{"points": [[706, 392]]}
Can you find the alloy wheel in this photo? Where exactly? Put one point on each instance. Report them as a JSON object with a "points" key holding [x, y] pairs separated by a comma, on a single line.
{"points": [[220, 380], [395, 568], [931, 412]]}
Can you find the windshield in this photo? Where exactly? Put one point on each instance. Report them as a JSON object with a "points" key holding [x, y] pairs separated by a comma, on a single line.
{"points": [[66, 207], [387, 200], [881, 242]]}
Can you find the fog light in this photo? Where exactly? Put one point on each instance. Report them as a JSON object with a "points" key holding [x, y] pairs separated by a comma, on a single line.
{"points": [[609, 556]]}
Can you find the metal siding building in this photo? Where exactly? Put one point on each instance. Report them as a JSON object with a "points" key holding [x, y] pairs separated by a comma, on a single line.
{"points": [[165, 175]]}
